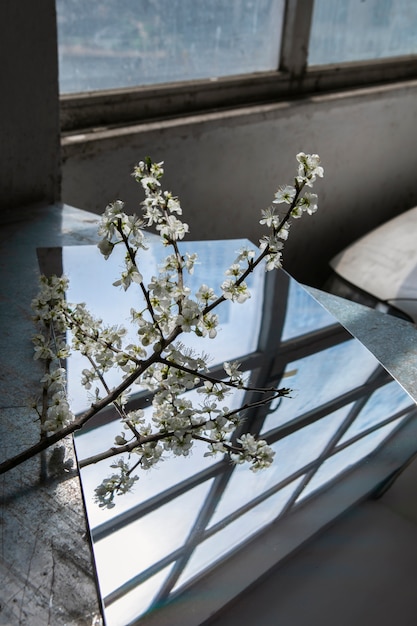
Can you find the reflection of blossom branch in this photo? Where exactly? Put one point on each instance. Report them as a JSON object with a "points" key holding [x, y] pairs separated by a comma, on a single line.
{"points": [[117, 404], [94, 336], [156, 361]]}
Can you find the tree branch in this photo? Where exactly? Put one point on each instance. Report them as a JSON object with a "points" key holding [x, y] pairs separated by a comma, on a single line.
{"points": [[129, 447]]}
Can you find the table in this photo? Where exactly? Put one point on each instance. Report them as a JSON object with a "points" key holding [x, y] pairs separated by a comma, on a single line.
{"points": [[46, 571]]}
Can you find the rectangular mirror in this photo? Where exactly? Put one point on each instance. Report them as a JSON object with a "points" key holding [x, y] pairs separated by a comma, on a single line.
{"points": [[195, 532]]}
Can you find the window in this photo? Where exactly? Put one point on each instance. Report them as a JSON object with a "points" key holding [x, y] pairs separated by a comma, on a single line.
{"points": [[161, 41], [150, 59], [356, 30]]}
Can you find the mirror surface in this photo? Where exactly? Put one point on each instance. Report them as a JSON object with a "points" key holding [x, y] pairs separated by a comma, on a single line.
{"points": [[192, 533]]}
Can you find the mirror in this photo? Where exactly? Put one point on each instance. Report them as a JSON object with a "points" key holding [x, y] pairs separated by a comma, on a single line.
{"points": [[196, 531]]}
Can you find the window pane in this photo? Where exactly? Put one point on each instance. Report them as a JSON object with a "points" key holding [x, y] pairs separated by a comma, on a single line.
{"points": [[292, 453], [343, 367], [237, 532], [130, 606], [342, 461], [147, 539], [356, 30], [303, 315], [111, 44]]}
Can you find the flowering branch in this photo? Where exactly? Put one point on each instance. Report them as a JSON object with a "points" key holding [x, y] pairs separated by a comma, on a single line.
{"points": [[135, 446], [157, 361], [236, 380]]}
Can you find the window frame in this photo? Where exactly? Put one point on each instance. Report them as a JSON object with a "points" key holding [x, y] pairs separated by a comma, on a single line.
{"points": [[292, 79]]}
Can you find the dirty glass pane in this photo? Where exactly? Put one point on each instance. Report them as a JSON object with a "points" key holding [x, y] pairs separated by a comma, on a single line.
{"points": [[110, 44], [356, 30]]}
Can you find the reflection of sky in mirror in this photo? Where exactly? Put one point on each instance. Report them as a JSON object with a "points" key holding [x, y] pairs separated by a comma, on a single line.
{"points": [[347, 458], [137, 601], [318, 378], [149, 539], [291, 454], [91, 281], [225, 540], [185, 510], [387, 400], [303, 314]]}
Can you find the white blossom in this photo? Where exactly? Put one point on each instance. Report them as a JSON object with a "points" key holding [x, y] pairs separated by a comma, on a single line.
{"points": [[189, 316], [189, 262], [285, 194], [112, 213], [245, 254], [166, 308], [205, 294], [232, 370], [284, 231], [58, 414], [308, 203], [106, 247], [270, 218], [256, 451], [55, 379], [129, 275], [309, 168], [237, 293], [172, 203], [152, 210], [116, 484], [208, 325], [172, 229]]}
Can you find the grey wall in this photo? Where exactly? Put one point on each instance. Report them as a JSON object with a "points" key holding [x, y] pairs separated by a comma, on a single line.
{"points": [[29, 109], [226, 167]]}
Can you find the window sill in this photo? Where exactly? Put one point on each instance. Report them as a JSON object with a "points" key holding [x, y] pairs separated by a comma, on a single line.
{"points": [[120, 107]]}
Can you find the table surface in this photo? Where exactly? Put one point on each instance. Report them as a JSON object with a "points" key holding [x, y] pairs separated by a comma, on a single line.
{"points": [[46, 570]]}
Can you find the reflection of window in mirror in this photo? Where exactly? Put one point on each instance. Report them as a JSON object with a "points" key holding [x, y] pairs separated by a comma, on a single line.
{"points": [[190, 518]]}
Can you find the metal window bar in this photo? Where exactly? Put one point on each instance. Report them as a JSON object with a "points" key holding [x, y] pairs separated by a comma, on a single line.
{"points": [[295, 37]]}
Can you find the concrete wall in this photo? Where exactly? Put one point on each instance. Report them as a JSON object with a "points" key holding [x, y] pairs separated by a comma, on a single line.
{"points": [[225, 167], [29, 110]]}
